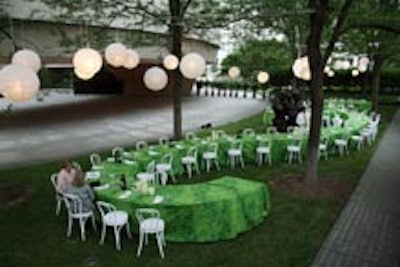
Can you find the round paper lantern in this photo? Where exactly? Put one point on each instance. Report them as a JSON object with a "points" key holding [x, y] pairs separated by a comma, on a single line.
{"points": [[346, 64], [19, 83], [192, 65], [363, 61], [132, 59], [155, 78], [83, 75], [86, 62], [331, 73], [327, 69], [234, 72], [115, 54], [171, 62], [27, 58], [362, 68], [262, 77], [301, 68], [355, 72]]}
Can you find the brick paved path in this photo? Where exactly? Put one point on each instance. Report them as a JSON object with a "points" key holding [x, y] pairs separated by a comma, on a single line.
{"points": [[367, 233]]}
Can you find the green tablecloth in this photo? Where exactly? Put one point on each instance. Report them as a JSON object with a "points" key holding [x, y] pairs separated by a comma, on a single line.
{"points": [[354, 123], [205, 212]]}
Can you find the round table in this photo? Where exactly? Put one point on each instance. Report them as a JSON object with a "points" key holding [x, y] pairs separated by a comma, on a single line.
{"points": [[203, 212]]}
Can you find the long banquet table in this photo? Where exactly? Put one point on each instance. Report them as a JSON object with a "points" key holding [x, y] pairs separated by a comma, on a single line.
{"points": [[204, 212]]}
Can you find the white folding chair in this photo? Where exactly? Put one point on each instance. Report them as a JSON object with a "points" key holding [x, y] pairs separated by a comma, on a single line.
{"points": [[190, 136], [114, 218], [150, 174], [76, 166], [342, 144], [293, 149], [117, 151], [190, 161], [249, 131], [323, 147], [264, 149], [95, 160], [141, 145], [150, 223], [165, 165], [58, 195], [271, 130], [235, 153], [163, 140], [211, 155], [75, 211]]}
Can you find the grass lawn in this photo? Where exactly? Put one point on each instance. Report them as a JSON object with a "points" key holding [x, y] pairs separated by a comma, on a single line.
{"points": [[31, 234]]}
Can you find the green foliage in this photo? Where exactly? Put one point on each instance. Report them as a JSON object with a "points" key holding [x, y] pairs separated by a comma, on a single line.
{"points": [[254, 56]]}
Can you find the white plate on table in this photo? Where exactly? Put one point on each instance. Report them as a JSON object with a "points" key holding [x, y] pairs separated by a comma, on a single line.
{"points": [[101, 187], [125, 194], [158, 199], [93, 175]]}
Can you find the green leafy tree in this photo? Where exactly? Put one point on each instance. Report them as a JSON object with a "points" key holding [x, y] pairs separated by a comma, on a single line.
{"points": [[255, 55]]}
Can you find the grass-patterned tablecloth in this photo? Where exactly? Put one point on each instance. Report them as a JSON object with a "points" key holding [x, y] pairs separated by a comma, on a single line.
{"points": [[204, 212]]}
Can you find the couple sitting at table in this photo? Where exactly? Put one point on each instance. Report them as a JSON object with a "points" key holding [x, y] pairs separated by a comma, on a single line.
{"points": [[71, 181]]}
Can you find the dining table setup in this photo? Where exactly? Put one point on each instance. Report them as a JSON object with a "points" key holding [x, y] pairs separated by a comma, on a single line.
{"points": [[213, 210]]}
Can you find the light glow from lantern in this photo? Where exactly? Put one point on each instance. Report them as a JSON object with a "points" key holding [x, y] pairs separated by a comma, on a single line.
{"points": [[132, 59], [115, 54], [171, 62], [155, 78], [301, 68], [234, 72], [27, 58], [192, 65], [263, 77], [18, 83]]}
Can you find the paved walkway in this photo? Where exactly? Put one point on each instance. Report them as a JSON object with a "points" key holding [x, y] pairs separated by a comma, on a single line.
{"points": [[367, 233], [67, 126]]}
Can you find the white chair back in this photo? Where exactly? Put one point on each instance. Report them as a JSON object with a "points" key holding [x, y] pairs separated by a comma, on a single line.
{"points": [[53, 180], [73, 204], [117, 151], [163, 140], [104, 208], [249, 131], [95, 159], [190, 136], [271, 130], [141, 145], [151, 167], [146, 213]]}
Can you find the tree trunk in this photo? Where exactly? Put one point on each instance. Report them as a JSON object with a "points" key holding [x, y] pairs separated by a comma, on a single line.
{"points": [[176, 33], [376, 80], [317, 21]]}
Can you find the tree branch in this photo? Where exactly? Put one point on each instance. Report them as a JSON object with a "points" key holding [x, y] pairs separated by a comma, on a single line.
{"points": [[336, 31]]}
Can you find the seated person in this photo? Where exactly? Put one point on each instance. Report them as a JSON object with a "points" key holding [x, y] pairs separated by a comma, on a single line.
{"points": [[82, 190], [65, 176]]}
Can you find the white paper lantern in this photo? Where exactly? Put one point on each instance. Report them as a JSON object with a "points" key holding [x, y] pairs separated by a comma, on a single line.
{"points": [[346, 65], [363, 61], [155, 78], [171, 62], [331, 73], [327, 69], [301, 68], [83, 75], [355, 72], [192, 65], [87, 62], [362, 68], [234, 72], [27, 58], [115, 54], [132, 59], [18, 83], [262, 77]]}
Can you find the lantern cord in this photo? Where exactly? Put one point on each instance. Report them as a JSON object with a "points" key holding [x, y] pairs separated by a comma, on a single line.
{"points": [[11, 22]]}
